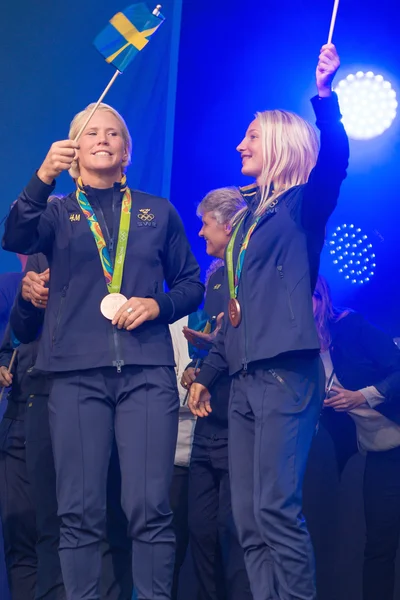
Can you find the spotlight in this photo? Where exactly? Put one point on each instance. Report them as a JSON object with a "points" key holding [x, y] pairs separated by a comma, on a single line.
{"points": [[368, 104], [358, 268]]}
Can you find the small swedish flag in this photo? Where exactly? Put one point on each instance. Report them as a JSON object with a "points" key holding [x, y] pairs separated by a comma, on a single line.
{"points": [[127, 34], [14, 340]]}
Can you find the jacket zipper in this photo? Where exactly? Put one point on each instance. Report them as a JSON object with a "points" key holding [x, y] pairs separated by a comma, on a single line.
{"points": [[63, 294], [281, 275], [245, 358], [118, 362]]}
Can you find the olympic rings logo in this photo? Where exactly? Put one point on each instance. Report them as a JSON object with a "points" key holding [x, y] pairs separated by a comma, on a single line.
{"points": [[145, 215]]}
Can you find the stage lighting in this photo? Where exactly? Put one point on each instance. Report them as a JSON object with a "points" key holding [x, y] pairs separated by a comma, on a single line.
{"points": [[352, 253], [368, 104]]}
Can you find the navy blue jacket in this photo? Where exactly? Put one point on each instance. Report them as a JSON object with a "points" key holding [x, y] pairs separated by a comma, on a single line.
{"points": [[282, 261], [216, 423], [25, 319], [9, 283], [75, 334], [26, 322], [363, 355]]}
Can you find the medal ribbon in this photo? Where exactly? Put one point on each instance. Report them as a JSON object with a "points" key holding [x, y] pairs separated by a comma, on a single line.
{"points": [[235, 275], [112, 273]]}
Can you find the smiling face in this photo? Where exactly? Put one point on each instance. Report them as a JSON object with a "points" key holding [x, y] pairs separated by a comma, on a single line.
{"points": [[102, 149], [215, 235], [251, 152]]}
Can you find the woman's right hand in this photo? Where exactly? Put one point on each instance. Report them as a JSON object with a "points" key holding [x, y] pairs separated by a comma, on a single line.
{"points": [[59, 158], [199, 400], [34, 290], [188, 377], [5, 377]]}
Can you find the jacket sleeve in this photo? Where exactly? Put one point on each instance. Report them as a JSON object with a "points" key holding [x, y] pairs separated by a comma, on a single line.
{"points": [[6, 349], [26, 320], [321, 192], [215, 363], [181, 273], [4, 305], [30, 226], [384, 353]]}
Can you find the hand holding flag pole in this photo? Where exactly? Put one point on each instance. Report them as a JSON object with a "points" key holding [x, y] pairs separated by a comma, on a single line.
{"points": [[125, 36], [333, 21], [207, 330], [10, 366]]}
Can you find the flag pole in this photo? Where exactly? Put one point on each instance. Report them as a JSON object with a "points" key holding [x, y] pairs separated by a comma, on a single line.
{"points": [[96, 106], [10, 366], [333, 21], [156, 13]]}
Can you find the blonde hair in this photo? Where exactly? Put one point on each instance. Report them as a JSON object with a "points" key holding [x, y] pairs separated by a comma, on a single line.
{"points": [[77, 123], [224, 203], [290, 150]]}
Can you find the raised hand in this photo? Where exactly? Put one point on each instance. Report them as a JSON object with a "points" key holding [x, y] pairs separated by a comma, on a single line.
{"points": [[59, 158], [328, 64]]}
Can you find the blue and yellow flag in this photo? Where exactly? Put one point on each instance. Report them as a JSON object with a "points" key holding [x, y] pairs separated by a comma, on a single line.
{"points": [[14, 340], [127, 34]]}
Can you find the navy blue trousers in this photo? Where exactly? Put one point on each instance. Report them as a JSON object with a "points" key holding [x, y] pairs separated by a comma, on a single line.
{"points": [[217, 555], [116, 579], [41, 475], [16, 504], [140, 407], [273, 413], [382, 516]]}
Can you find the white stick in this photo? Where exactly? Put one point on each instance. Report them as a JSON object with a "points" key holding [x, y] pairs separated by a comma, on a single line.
{"points": [[10, 366], [333, 21], [96, 106]]}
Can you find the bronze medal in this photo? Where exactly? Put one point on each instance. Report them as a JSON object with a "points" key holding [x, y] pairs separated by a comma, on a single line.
{"points": [[234, 311], [111, 304]]}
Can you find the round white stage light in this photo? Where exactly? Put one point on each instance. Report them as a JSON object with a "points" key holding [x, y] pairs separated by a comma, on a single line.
{"points": [[368, 104]]}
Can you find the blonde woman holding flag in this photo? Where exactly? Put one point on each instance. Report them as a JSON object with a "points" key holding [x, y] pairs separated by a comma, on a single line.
{"points": [[107, 345], [269, 342]]}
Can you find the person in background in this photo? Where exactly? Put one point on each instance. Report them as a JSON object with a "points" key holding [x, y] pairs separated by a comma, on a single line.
{"points": [[9, 283], [16, 503], [362, 370], [180, 479], [217, 555], [107, 345], [269, 341]]}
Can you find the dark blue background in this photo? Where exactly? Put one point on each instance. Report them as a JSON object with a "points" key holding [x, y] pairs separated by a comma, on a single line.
{"points": [[234, 59], [240, 57]]}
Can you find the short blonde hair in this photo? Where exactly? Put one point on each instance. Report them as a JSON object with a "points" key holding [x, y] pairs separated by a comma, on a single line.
{"points": [[77, 123], [290, 150]]}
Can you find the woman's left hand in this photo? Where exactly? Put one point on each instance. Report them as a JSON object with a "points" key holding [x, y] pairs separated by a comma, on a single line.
{"points": [[328, 64], [135, 312], [344, 400]]}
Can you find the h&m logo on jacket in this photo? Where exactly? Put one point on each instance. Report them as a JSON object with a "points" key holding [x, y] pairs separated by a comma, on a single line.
{"points": [[145, 218], [75, 217]]}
